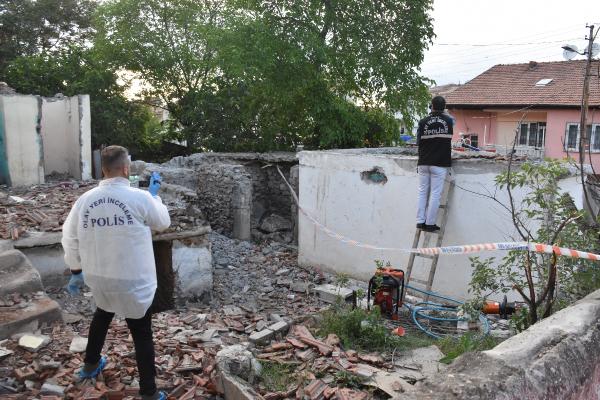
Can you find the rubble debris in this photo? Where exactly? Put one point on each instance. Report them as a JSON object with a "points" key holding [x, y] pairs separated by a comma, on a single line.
{"points": [[45, 207], [33, 342], [78, 344]]}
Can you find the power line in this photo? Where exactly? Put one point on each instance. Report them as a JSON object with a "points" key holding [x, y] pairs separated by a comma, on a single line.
{"points": [[498, 44]]}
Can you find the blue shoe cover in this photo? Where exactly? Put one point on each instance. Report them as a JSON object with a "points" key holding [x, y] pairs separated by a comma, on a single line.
{"points": [[96, 372]]}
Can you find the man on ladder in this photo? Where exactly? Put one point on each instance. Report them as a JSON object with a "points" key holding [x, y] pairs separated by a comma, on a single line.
{"points": [[434, 139]]}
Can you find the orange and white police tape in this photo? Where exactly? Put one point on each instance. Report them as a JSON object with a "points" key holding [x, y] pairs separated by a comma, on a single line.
{"points": [[449, 250]]}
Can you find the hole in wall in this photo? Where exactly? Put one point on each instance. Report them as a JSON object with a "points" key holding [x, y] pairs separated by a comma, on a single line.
{"points": [[375, 176]]}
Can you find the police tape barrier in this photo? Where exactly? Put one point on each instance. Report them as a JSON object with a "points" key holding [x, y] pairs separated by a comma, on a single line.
{"points": [[449, 250]]}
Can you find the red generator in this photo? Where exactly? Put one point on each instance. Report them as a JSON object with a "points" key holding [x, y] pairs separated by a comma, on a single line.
{"points": [[386, 288]]}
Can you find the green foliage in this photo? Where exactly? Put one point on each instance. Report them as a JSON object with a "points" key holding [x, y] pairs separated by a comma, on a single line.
{"points": [[33, 27], [519, 321], [362, 330], [249, 75], [453, 347], [543, 215], [347, 379], [276, 376], [115, 120]]}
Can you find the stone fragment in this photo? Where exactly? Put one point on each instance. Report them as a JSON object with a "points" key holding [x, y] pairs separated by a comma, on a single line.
{"points": [[49, 388], [275, 223], [331, 293], [17, 275], [78, 344], [33, 342], [262, 337], [300, 287], [279, 327]]}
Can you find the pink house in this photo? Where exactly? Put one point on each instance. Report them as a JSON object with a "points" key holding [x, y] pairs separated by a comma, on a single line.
{"points": [[540, 103]]}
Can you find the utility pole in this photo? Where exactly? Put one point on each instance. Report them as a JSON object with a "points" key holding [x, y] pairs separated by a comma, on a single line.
{"points": [[583, 139]]}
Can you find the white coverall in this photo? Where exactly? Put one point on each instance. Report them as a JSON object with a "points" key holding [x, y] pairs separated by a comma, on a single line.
{"points": [[108, 235]]}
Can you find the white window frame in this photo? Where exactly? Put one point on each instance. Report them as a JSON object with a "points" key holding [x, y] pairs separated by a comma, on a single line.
{"points": [[593, 128], [576, 148], [543, 123]]}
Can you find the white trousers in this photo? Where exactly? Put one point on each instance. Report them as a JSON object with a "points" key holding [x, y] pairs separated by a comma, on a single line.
{"points": [[431, 186]]}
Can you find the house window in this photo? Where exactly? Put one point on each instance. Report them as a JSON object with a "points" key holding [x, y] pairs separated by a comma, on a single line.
{"points": [[474, 140], [595, 138], [572, 137], [532, 134]]}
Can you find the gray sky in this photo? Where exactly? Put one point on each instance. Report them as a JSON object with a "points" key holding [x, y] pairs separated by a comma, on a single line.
{"points": [[504, 27]]}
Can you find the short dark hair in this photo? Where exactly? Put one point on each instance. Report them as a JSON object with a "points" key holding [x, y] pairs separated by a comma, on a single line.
{"points": [[114, 157], [438, 103]]}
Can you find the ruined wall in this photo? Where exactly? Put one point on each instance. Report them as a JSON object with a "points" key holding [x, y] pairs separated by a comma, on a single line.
{"points": [[224, 191], [557, 358], [21, 140], [242, 191], [39, 136]]}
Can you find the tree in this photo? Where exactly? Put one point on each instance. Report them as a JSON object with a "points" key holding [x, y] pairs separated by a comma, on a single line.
{"points": [[246, 75], [115, 120], [32, 27], [170, 44], [544, 215]]}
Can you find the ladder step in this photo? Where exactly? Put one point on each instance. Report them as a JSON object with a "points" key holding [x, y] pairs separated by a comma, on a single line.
{"points": [[443, 206], [421, 281], [425, 256]]}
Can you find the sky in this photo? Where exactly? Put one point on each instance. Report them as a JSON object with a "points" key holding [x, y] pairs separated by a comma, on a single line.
{"points": [[473, 35]]}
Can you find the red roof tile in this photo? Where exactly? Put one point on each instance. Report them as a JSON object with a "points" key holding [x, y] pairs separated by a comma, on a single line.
{"points": [[515, 85]]}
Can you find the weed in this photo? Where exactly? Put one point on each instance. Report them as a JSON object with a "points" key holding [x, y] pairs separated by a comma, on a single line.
{"points": [[347, 379], [362, 330], [276, 376], [454, 347]]}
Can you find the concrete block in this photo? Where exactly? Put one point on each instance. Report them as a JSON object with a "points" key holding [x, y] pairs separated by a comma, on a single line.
{"points": [[33, 342], [193, 266], [17, 274], [38, 311], [262, 337], [279, 327], [331, 293], [49, 388], [235, 388], [78, 344]]}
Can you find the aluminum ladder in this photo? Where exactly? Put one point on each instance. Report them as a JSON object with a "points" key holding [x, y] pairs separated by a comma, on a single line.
{"points": [[428, 237]]}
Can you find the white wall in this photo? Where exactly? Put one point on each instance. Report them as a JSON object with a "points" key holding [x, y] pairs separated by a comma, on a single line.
{"points": [[331, 190], [65, 128], [44, 135], [22, 141]]}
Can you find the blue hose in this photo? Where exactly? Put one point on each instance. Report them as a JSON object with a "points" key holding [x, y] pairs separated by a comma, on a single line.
{"points": [[431, 306]]}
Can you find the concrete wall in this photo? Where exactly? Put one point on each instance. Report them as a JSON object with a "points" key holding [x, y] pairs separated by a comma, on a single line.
{"points": [[21, 139], [65, 128], [557, 358], [332, 191], [39, 136]]}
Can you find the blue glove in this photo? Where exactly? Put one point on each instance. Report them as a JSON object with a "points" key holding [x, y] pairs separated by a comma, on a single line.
{"points": [[155, 181], [75, 284]]}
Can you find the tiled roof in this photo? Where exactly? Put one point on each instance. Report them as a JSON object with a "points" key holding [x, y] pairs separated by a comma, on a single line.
{"points": [[515, 85]]}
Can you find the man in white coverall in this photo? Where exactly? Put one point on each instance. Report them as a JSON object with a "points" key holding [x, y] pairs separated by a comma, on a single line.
{"points": [[107, 238]]}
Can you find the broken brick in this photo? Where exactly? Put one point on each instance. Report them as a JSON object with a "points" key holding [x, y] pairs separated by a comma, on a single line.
{"points": [[24, 373], [315, 389]]}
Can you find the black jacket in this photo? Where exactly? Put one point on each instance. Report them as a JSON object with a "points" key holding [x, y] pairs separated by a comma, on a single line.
{"points": [[434, 138]]}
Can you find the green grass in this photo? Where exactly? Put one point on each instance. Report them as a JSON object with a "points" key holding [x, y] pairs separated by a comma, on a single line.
{"points": [[454, 347], [372, 335], [275, 376]]}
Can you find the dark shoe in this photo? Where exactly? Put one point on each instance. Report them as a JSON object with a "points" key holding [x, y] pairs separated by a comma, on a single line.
{"points": [[431, 228], [421, 225]]}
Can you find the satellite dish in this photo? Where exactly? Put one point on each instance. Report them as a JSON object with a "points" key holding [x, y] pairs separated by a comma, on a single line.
{"points": [[570, 51], [595, 49]]}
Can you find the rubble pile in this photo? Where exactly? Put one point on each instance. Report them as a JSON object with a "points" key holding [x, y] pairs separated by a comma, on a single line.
{"points": [[262, 307], [44, 208], [41, 208]]}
